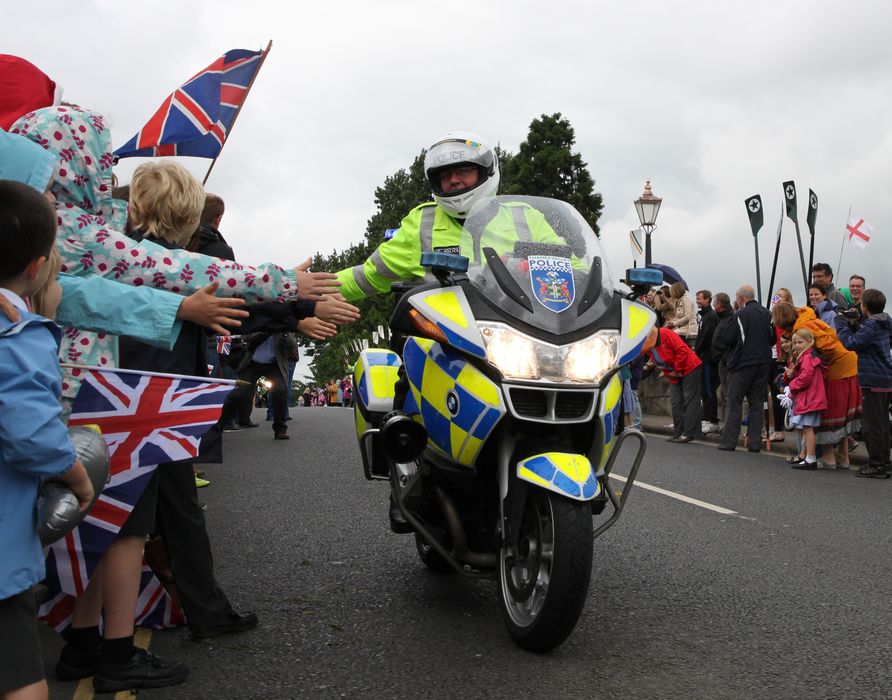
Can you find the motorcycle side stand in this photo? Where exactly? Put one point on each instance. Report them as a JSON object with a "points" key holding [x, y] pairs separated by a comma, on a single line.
{"points": [[619, 503]]}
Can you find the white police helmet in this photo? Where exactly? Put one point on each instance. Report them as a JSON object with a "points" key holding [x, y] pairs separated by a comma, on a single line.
{"points": [[459, 148]]}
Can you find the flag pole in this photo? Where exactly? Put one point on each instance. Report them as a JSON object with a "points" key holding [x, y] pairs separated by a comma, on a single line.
{"points": [[780, 226], [239, 109], [843, 246]]}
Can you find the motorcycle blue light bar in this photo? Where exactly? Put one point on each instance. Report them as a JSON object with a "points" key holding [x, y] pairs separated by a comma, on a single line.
{"points": [[445, 261]]}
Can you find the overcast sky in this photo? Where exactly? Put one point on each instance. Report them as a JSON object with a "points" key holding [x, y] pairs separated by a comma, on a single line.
{"points": [[712, 101]]}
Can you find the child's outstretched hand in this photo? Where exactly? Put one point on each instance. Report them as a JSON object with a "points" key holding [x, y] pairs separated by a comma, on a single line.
{"points": [[211, 311]]}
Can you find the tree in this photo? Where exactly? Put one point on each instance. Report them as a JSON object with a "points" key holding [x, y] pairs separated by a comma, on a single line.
{"points": [[546, 166], [401, 192]]}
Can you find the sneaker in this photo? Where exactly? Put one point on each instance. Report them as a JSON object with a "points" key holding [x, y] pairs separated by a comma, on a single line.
{"points": [[75, 664], [709, 427], [232, 428], [201, 483], [142, 670]]}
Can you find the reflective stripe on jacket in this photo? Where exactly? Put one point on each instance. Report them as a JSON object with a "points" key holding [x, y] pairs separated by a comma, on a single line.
{"points": [[428, 228]]}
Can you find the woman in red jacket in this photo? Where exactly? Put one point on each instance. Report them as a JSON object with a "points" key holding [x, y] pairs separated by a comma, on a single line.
{"points": [[681, 366]]}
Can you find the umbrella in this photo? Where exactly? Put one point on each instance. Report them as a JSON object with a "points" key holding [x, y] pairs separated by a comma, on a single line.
{"points": [[670, 274]]}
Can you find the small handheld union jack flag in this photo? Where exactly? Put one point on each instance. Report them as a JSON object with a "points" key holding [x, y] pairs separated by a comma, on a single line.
{"points": [[196, 119], [146, 419], [224, 344]]}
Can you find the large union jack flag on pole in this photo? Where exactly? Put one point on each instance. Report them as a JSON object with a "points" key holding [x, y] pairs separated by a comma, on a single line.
{"points": [[146, 419], [196, 119]]}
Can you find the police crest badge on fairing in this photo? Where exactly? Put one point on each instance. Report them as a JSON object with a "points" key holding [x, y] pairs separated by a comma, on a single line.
{"points": [[552, 279]]}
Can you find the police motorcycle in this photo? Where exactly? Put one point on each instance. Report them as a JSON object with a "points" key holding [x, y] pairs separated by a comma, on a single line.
{"points": [[493, 415]]}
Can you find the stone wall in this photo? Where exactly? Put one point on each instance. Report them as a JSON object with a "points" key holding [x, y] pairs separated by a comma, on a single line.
{"points": [[654, 396]]}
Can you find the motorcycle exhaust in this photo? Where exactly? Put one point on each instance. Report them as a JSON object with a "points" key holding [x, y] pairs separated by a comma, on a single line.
{"points": [[402, 439], [480, 560]]}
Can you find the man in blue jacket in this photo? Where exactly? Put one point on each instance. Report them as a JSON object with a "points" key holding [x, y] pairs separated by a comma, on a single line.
{"points": [[33, 440], [870, 339]]}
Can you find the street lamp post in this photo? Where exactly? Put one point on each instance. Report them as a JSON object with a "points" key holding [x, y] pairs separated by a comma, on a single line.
{"points": [[648, 206]]}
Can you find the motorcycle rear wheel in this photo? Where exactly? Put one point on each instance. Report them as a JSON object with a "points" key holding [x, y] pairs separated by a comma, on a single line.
{"points": [[544, 584]]}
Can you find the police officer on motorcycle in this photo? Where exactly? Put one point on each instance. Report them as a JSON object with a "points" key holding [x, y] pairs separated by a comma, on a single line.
{"points": [[462, 170]]}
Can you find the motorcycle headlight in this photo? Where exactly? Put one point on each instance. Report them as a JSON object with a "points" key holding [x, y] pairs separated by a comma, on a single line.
{"points": [[513, 353], [590, 359], [518, 356]]}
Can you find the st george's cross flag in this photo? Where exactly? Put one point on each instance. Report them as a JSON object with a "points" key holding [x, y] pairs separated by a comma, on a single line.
{"points": [[146, 419], [196, 118], [858, 231]]}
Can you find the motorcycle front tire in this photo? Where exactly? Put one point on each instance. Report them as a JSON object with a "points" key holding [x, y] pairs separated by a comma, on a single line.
{"points": [[544, 585]]}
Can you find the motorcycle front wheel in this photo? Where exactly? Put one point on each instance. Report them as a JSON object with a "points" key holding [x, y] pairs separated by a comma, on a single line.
{"points": [[543, 585]]}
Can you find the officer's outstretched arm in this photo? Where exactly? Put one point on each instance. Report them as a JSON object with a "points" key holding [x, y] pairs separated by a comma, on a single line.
{"points": [[394, 260]]}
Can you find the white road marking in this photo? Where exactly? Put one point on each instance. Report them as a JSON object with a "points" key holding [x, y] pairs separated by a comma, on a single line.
{"points": [[678, 496]]}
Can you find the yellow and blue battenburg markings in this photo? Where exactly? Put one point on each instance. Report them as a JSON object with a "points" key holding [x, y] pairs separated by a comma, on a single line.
{"points": [[376, 376], [610, 405], [450, 311], [568, 474], [637, 322], [457, 404]]}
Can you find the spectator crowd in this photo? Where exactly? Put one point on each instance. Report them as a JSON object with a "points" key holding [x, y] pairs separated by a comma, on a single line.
{"points": [[137, 277], [823, 370]]}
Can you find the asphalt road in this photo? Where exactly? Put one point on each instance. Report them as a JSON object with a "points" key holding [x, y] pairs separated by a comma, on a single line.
{"points": [[786, 598]]}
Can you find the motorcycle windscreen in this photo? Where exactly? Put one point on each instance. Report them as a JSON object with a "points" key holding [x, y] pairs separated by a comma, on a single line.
{"points": [[538, 260]]}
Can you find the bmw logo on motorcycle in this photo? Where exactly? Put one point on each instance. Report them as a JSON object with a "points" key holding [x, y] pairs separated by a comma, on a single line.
{"points": [[452, 402]]}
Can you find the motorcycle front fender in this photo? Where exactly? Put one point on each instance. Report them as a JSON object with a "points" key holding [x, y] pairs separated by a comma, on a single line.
{"points": [[566, 474]]}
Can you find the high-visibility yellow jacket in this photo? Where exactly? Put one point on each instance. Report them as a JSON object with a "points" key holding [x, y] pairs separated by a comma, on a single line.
{"points": [[428, 228]]}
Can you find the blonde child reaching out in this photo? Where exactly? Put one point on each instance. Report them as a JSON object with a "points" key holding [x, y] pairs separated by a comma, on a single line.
{"points": [[806, 383]]}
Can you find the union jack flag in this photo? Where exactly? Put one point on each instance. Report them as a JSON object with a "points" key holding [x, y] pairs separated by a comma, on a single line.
{"points": [[196, 118], [146, 419], [224, 344]]}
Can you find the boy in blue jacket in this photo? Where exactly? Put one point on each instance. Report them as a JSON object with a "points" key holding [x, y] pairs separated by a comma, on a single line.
{"points": [[870, 340], [34, 442]]}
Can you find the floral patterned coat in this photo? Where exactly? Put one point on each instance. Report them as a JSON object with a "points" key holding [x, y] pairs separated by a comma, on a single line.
{"points": [[90, 241]]}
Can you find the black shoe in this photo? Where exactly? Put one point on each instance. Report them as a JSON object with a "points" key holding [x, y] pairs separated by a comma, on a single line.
{"points": [[753, 449], [235, 622], [398, 523], [75, 664], [249, 424], [142, 670], [281, 434], [725, 448], [232, 427], [807, 466], [872, 471]]}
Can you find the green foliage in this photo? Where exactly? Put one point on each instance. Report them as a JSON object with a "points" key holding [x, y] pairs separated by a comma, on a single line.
{"points": [[546, 166]]}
